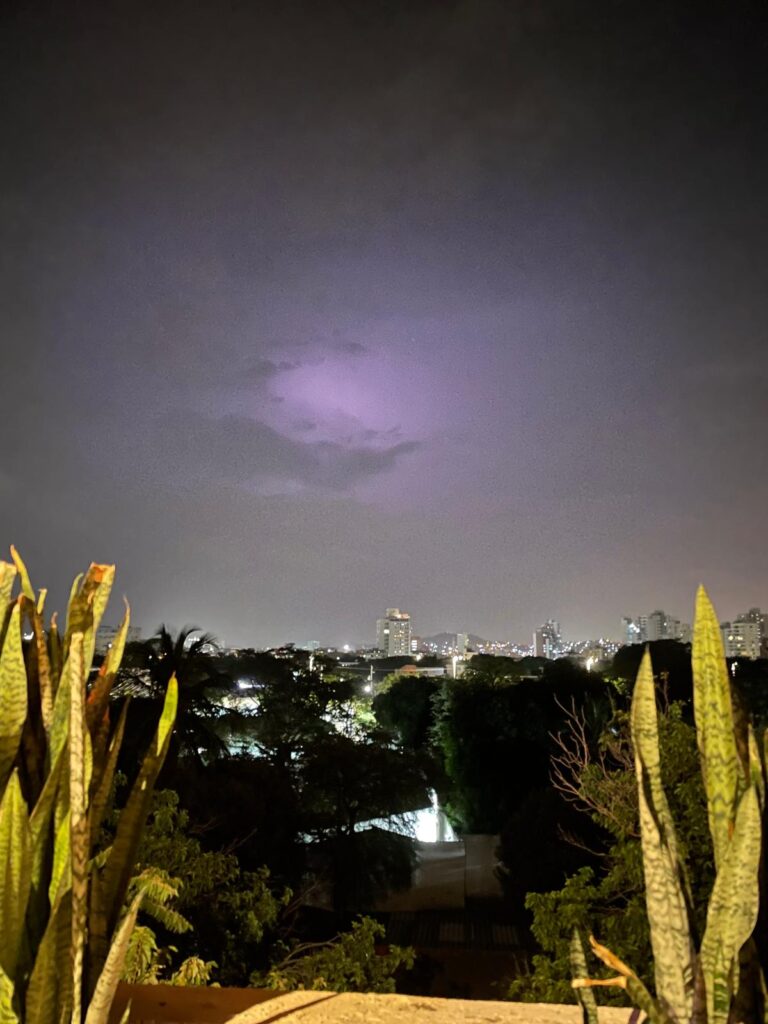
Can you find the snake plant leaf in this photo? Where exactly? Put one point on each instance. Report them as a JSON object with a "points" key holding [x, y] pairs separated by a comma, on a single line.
{"points": [[97, 709], [26, 586], [15, 872], [7, 578], [666, 905], [627, 980], [7, 1013], [585, 997], [43, 670], [732, 910], [61, 873], [109, 887], [103, 790], [79, 831], [41, 828], [715, 733], [55, 652], [106, 986], [49, 995], [13, 694], [60, 719], [87, 606]]}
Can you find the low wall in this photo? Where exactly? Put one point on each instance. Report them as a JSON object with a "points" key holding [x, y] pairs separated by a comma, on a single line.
{"points": [[166, 1004]]}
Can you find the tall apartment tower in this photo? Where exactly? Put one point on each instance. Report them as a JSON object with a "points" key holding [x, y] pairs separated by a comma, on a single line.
{"points": [[393, 633], [547, 640], [745, 636]]}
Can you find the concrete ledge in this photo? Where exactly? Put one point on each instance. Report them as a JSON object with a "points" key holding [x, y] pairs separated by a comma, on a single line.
{"points": [[168, 1004]]}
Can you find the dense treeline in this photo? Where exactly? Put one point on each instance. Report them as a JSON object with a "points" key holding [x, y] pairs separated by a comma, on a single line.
{"points": [[278, 763]]}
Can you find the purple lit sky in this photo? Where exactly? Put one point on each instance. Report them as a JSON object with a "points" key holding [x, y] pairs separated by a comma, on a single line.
{"points": [[312, 308]]}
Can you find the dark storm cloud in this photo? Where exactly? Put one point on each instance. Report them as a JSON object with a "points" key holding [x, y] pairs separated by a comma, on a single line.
{"points": [[238, 450]]}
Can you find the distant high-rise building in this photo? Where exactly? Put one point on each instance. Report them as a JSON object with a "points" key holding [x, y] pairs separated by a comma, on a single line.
{"points": [[633, 632], [656, 626], [462, 643], [741, 638], [745, 636], [547, 641], [393, 633]]}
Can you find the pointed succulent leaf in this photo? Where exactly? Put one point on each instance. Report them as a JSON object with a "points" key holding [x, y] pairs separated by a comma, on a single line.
{"points": [[109, 888], [15, 872], [26, 586], [49, 995], [61, 872], [7, 578], [13, 694], [106, 986], [627, 980], [79, 832], [732, 910], [585, 997], [715, 732], [8, 1014], [43, 670], [87, 608], [674, 960], [103, 791]]}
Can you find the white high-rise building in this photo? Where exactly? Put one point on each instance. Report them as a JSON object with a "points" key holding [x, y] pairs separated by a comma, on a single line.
{"points": [[547, 640], [743, 638], [393, 633]]}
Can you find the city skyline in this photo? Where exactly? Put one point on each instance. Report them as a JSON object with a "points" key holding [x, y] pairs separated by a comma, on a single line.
{"points": [[313, 309]]}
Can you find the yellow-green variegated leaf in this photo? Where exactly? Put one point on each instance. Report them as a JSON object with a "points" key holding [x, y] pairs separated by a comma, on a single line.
{"points": [[8, 1014], [732, 910], [674, 960], [79, 757], [87, 608], [61, 872], [41, 828], [103, 783], [49, 995], [15, 872], [26, 587], [55, 652], [7, 578], [106, 986], [715, 732], [168, 717], [585, 997], [13, 694], [109, 887]]}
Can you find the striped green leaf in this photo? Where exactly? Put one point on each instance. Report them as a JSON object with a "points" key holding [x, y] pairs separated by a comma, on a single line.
{"points": [[15, 872], [674, 958], [79, 832], [585, 997], [106, 986], [13, 694], [732, 910], [103, 786], [8, 1013], [715, 730], [87, 606], [7, 578], [61, 872], [49, 994], [109, 887], [26, 586]]}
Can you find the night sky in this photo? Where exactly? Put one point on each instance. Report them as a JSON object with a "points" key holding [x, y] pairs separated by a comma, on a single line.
{"points": [[311, 309]]}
